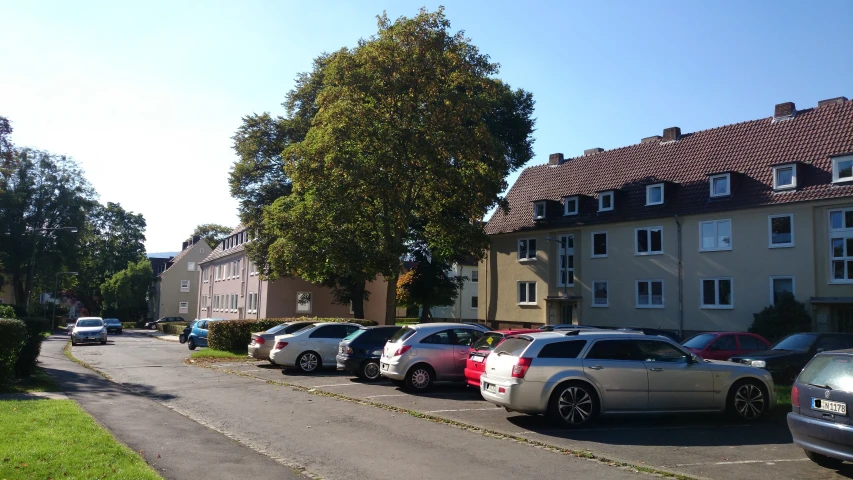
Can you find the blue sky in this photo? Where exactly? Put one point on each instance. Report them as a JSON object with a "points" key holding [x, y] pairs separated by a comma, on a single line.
{"points": [[146, 95]]}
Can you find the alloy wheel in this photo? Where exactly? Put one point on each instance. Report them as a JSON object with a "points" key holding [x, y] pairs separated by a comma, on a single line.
{"points": [[575, 405], [420, 378], [749, 401], [371, 371], [308, 362]]}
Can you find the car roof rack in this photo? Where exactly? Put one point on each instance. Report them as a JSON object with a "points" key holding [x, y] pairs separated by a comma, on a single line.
{"points": [[571, 333]]}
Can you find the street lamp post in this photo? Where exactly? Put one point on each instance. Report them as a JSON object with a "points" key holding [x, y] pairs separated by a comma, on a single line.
{"points": [[55, 288], [565, 307], [30, 279]]}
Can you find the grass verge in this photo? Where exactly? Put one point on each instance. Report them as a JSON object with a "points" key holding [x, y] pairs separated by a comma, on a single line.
{"points": [[211, 354], [783, 395], [38, 382], [61, 441]]}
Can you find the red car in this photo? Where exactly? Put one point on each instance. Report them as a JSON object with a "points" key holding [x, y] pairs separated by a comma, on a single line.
{"points": [[725, 345], [478, 352]]}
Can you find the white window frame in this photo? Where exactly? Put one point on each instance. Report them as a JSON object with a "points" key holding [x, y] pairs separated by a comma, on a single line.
{"points": [[649, 231], [536, 207], [204, 276], [637, 303], [190, 266], [234, 302], [601, 201], [793, 185], [185, 286], [770, 231], [835, 162], [717, 305], [728, 177], [472, 302], [566, 200], [299, 307], [216, 303], [563, 240], [781, 277], [183, 307], [527, 258], [238, 265], [606, 288], [592, 244], [475, 276], [716, 248], [526, 293], [649, 188], [843, 233]]}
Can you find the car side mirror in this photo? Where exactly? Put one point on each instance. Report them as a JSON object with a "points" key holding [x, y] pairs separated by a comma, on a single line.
{"points": [[694, 359]]}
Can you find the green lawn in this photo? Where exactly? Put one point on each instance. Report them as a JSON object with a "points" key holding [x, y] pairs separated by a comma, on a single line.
{"points": [[57, 439], [209, 353], [38, 382], [783, 395]]}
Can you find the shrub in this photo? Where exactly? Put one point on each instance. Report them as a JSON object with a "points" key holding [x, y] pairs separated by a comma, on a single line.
{"points": [[13, 333], [128, 324], [172, 328], [407, 321], [7, 311], [26, 362], [235, 335], [787, 316]]}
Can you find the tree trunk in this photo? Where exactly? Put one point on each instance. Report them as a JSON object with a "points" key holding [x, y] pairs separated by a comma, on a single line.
{"points": [[425, 316], [391, 300], [357, 296]]}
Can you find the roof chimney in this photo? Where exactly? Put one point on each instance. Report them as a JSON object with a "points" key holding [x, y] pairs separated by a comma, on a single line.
{"points": [[671, 134], [592, 151], [196, 239], [653, 138], [831, 101], [784, 111], [184, 246], [555, 159]]}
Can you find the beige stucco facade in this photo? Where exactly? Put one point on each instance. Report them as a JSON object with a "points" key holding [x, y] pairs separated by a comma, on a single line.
{"points": [[7, 292], [748, 267], [177, 288]]}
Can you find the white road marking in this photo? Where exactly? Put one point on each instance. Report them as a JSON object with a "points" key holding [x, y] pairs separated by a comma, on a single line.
{"points": [[742, 462], [463, 410], [397, 395], [335, 385]]}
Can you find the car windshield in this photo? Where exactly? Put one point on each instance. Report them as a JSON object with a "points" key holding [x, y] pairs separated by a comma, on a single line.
{"points": [[277, 328], [402, 334], [90, 323], [699, 342], [795, 343], [512, 346], [488, 341], [112, 321], [833, 371]]}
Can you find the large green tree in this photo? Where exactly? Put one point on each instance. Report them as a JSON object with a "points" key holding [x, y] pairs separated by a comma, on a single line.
{"points": [[412, 136], [211, 233], [126, 291], [428, 284]]}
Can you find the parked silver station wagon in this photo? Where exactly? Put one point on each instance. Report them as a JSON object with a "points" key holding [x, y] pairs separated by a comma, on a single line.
{"points": [[418, 355], [576, 376]]}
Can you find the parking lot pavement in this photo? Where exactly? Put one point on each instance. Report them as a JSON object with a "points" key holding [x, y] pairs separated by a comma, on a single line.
{"points": [[709, 446]]}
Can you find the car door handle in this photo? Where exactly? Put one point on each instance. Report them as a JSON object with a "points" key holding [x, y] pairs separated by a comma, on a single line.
{"points": [[656, 369], [596, 367]]}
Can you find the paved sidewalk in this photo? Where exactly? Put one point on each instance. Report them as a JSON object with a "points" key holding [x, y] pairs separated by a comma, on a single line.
{"points": [[33, 396], [177, 447], [156, 334]]}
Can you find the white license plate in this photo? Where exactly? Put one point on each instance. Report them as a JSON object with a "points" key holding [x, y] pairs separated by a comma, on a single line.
{"points": [[839, 408], [490, 388], [384, 366], [477, 358]]}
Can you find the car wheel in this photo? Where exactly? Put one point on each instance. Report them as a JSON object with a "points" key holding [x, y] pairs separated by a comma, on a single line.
{"points": [[823, 460], [574, 404], [73, 343], [747, 400], [308, 362], [370, 371], [103, 342], [182, 338], [191, 343], [419, 378]]}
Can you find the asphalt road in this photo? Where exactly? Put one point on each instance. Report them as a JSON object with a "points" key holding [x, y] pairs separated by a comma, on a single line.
{"points": [[329, 438]]}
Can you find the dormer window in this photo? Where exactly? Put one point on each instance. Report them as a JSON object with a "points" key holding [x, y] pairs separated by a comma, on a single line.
{"points": [[570, 206], [654, 194], [605, 201], [785, 177], [721, 185], [539, 210], [842, 169]]}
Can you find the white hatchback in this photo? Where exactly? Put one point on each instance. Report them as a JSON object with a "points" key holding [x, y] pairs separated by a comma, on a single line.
{"points": [[311, 348]]}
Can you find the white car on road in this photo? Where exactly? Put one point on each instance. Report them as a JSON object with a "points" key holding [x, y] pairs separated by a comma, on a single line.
{"points": [[89, 329], [312, 347]]}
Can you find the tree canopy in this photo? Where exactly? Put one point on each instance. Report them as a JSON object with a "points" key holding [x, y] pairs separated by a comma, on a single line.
{"points": [[211, 233], [125, 292], [428, 284]]}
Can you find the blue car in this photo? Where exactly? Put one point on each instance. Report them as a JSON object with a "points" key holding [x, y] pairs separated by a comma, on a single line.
{"points": [[198, 335], [359, 352], [820, 420]]}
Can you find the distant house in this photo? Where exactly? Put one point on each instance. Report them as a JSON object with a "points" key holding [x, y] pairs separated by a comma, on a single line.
{"points": [[176, 287], [467, 302], [232, 288]]}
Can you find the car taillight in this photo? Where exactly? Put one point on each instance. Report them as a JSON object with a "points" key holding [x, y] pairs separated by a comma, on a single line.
{"points": [[520, 368], [348, 350], [795, 396], [402, 350], [280, 345], [260, 341]]}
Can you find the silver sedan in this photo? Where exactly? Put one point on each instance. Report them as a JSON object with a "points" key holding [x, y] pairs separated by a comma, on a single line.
{"points": [[576, 376], [262, 342]]}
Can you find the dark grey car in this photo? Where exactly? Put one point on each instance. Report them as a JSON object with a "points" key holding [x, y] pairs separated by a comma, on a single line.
{"points": [[820, 416]]}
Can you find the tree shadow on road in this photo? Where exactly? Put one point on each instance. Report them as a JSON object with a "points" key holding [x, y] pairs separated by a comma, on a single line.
{"points": [[73, 383]]}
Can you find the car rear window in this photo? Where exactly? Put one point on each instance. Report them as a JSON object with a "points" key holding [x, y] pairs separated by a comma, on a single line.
{"points": [[565, 349], [277, 328], [488, 341], [402, 334], [699, 342], [795, 343], [355, 334], [834, 371], [514, 346]]}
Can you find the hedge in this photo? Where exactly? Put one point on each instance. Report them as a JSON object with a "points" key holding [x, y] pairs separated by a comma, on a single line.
{"points": [[26, 361], [13, 334], [235, 335], [172, 328], [128, 325], [7, 311]]}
